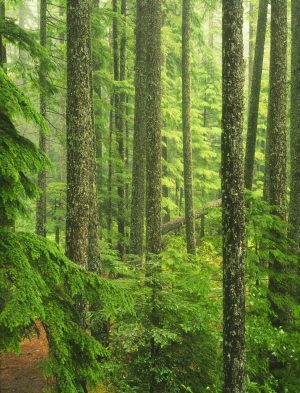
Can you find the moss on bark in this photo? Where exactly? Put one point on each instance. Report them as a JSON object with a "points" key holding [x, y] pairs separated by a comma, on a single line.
{"points": [[233, 220]]}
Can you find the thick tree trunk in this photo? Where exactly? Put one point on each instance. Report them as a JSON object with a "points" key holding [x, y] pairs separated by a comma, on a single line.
{"points": [[277, 111], [41, 181], [255, 92], [233, 220], [294, 209], [79, 130], [276, 164], [139, 137], [186, 129]]}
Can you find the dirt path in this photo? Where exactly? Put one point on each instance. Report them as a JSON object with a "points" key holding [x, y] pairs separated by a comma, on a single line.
{"points": [[21, 373]]}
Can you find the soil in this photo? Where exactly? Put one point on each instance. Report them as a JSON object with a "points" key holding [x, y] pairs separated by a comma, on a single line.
{"points": [[21, 373]]}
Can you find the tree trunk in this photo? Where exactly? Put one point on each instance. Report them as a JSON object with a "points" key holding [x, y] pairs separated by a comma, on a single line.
{"points": [[41, 181], [121, 134], [251, 44], [277, 111], [153, 168], [153, 126], [139, 137], [110, 171], [294, 209], [186, 129], [79, 130], [2, 47], [255, 92], [233, 219]]}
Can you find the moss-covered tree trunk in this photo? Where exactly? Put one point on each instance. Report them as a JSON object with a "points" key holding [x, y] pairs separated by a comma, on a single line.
{"points": [[251, 44], [276, 166], [186, 129], [42, 181], [121, 128], [153, 22], [233, 220], [2, 47], [79, 130], [277, 110], [110, 170], [153, 127], [94, 247], [255, 92], [294, 209], [139, 136]]}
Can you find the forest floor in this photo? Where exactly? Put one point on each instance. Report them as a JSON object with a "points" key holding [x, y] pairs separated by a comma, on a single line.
{"points": [[22, 373]]}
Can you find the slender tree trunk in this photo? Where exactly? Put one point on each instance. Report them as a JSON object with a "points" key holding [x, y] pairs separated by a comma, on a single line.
{"points": [[255, 92], [121, 125], [294, 209], [153, 126], [251, 44], [110, 171], [79, 130], [139, 137], [186, 128], [2, 47], [233, 220], [153, 166], [41, 181]]}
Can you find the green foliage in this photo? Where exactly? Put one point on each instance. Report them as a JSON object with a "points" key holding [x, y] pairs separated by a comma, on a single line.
{"points": [[187, 334], [267, 239], [19, 159], [39, 282]]}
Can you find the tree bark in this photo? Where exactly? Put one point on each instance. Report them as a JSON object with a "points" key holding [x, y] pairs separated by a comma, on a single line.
{"points": [[294, 208], [233, 219], [277, 110], [255, 92], [276, 165], [186, 129], [153, 169], [153, 126], [121, 134], [79, 130], [2, 47], [139, 137], [42, 181], [251, 43]]}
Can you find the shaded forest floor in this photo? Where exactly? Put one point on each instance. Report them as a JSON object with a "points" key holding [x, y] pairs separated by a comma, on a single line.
{"points": [[21, 373]]}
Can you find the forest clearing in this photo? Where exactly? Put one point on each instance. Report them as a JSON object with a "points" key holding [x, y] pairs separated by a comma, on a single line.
{"points": [[149, 196]]}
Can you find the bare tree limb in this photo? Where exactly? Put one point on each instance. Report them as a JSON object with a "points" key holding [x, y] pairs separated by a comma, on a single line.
{"points": [[180, 221]]}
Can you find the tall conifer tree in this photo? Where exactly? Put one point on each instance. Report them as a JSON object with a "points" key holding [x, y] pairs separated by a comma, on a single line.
{"points": [[255, 92], [233, 220], [41, 202], [294, 213], [79, 130], [186, 128]]}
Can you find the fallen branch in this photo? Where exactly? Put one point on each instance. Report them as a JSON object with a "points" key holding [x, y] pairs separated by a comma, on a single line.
{"points": [[180, 221]]}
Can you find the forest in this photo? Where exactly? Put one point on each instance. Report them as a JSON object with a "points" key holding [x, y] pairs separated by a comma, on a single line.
{"points": [[150, 196]]}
